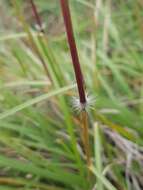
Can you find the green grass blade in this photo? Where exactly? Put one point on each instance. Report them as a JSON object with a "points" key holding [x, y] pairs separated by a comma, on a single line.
{"points": [[106, 183], [35, 101], [98, 156]]}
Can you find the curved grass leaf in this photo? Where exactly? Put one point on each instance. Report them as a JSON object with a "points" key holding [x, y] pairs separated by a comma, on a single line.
{"points": [[35, 101]]}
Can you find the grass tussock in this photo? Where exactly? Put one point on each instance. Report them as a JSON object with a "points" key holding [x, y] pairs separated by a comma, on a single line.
{"points": [[71, 95]]}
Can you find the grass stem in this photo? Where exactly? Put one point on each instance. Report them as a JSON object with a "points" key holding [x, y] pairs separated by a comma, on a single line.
{"points": [[85, 136], [73, 49]]}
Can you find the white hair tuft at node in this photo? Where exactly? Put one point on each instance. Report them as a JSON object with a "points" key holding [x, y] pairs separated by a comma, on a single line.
{"points": [[78, 106]]}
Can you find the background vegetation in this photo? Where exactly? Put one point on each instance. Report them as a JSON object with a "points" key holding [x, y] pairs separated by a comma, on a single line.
{"points": [[40, 132]]}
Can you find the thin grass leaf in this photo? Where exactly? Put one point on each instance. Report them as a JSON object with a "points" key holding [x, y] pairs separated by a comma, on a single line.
{"points": [[28, 167], [35, 101], [106, 183], [98, 155]]}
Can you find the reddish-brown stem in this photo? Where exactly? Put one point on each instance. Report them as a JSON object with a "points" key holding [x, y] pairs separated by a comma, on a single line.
{"points": [[36, 15], [39, 23], [73, 49]]}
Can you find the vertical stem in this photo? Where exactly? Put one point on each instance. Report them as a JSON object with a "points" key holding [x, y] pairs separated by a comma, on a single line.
{"points": [[73, 49], [78, 73], [96, 13], [36, 15], [39, 23], [94, 37], [85, 136], [98, 154], [106, 26]]}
